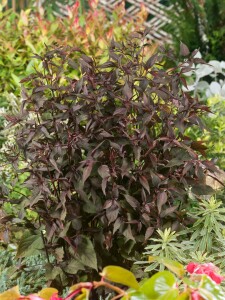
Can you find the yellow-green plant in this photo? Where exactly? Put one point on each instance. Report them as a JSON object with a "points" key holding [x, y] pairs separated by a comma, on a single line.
{"points": [[167, 245], [209, 225]]}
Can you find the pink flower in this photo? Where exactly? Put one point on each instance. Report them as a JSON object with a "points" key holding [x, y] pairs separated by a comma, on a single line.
{"points": [[208, 269], [55, 297], [195, 296]]}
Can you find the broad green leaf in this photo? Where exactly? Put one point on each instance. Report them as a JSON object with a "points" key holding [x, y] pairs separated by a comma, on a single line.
{"points": [[86, 252], [171, 295], [173, 266], [29, 245], [120, 275], [158, 285], [47, 293], [74, 266], [12, 294]]}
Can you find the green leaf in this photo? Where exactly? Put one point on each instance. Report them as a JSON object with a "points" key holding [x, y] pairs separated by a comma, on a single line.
{"points": [[74, 266], [29, 245], [158, 285], [210, 290], [86, 252], [16, 79], [171, 295], [135, 296], [120, 275], [173, 266]]}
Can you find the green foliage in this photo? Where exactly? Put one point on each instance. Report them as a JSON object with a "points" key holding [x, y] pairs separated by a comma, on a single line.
{"points": [[209, 225], [27, 33], [167, 246], [107, 153], [207, 82], [28, 273], [203, 283], [202, 242], [199, 24]]}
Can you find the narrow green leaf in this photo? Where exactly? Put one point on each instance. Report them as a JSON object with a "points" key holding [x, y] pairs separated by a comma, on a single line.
{"points": [[173, 266]]}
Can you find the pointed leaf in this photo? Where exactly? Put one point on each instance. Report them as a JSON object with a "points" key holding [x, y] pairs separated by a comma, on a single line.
{"points": [[29, 245], [144, 183], [120, 275], [161, 200], [87, 171], [173, 266], [86, 252], [184, 51]]}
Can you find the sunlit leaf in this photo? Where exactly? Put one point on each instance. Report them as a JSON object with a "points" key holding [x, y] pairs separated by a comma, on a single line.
{"points": [[46, 293], [12, 294], [158, 285], [120, 275], [173, 266]]}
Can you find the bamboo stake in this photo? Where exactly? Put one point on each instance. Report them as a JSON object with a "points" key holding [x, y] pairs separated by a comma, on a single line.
{"points": [[14, 5], [21, 4]]}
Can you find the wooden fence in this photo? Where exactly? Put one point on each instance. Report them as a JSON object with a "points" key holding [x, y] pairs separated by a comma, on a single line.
{"points": [[157, 17], [17, 4]]}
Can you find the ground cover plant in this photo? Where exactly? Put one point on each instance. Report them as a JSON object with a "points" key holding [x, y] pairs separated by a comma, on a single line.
{"points": [[107, 154], [28, 273]]}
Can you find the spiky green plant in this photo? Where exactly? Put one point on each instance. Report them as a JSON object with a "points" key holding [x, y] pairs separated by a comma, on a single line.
{"points": [[166, 245], [209, 225]]}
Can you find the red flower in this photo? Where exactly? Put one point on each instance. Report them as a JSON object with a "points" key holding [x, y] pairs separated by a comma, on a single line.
{"points": [[208, 269], [195, 296], [55, 297]]}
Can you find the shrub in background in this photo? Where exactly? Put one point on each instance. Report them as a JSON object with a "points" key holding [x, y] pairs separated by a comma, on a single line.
{"points": [[24, 34], [199, 24], [107, 154], [207, 82]]}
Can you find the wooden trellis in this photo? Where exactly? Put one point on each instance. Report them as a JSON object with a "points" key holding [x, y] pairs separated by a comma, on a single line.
{"points": [[157, 17]]}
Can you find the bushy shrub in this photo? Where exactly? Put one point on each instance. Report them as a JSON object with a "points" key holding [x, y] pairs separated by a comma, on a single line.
{"points": [[24, 34], [199, 24], [107, 154]]}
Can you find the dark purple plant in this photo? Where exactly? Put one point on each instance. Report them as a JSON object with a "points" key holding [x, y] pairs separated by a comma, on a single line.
{"points": [[107, 154]]}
